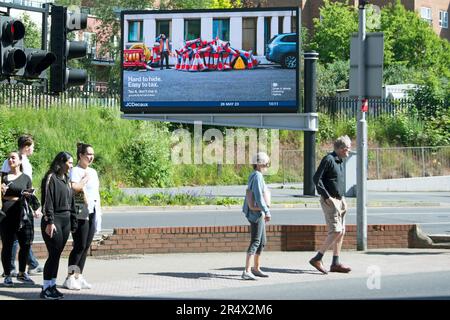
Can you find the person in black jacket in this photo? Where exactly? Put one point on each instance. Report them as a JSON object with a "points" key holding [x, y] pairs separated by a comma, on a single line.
{"points": [[18, 222], [330, 183], [58, 205]]}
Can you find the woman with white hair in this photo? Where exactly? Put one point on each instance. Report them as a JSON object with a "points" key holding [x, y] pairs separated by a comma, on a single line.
{"points": [[256, 209]]}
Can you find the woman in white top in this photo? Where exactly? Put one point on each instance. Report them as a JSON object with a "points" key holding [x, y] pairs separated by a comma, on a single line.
{"points": [[85, 183]]}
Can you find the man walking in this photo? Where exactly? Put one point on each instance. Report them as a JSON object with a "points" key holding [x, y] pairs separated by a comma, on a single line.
{"points": [[330, 183]]}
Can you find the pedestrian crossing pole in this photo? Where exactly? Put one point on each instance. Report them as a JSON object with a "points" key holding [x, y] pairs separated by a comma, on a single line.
{"points": [[361, 166]]}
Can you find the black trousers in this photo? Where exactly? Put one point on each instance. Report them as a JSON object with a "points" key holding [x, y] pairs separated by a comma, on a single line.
{"points": [[165, 56], [56, 244], [9, 234], [82, 239]]}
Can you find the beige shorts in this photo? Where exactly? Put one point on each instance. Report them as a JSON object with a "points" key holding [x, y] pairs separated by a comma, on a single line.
{"points": [[334, 214]]}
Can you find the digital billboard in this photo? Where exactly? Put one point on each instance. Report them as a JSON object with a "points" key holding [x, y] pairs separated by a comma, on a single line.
{"points": [[210, 61]]}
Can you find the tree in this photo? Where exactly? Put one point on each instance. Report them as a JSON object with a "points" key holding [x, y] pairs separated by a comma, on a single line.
{"points": [[409, 40], [332, 31], [32, 37]]}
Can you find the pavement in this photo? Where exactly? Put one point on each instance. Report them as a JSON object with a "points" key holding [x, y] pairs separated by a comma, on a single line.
{"points": [[218, 276]]}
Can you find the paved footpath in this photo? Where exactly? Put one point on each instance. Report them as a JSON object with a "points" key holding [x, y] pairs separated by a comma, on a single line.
{"points": [[212, 275]]}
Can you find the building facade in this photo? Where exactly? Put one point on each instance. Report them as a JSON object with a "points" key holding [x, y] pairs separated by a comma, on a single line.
{"points": [[249, 30], [433, 11]]}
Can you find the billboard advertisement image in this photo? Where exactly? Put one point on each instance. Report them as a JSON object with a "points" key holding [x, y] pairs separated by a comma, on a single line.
{"points": [[210, 61]]}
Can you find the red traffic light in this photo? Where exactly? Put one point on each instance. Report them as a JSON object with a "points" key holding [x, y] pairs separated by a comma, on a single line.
{"points": [[13, 30]]}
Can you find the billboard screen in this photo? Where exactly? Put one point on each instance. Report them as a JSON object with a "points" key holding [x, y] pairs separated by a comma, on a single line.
{"points": [[210, 61]]}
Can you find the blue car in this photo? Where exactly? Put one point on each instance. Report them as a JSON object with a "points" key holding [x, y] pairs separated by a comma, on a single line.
{"points": [[282, 49]]}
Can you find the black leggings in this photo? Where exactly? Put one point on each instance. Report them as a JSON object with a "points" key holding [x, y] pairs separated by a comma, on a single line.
{"points": [[56, 244], [9, 234], [82, 239]]}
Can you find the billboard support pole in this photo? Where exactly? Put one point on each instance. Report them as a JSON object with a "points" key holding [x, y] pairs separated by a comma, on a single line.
{"points": [[310, 89]]}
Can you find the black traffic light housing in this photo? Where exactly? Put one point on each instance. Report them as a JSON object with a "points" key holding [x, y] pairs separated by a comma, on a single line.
{"points": [[12, 55], [61, 76], [37, 62]]}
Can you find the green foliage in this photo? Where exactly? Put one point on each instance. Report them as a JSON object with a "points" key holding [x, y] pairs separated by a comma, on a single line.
{"points": [[437, 129], [430, 96], [32, 37], [326, 132], [146, 158], [113, 196], [403, 129], [399, 72], [332, 76], [332, 31], [411, 40]]}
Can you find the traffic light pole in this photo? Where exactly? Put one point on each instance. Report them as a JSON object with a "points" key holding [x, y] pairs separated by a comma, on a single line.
{"points": [[361, 166]]}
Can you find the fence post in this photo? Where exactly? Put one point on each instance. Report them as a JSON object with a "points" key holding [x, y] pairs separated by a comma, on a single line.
{"points": [[378, 163], [423, 161]]}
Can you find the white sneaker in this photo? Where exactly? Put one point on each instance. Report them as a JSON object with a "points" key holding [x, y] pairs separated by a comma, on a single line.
{"points": [[72, 283], [84, 284], [248, 276]]}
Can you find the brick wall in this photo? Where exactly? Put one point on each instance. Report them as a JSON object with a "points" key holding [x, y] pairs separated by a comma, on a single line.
{"points": [[235, 239]]}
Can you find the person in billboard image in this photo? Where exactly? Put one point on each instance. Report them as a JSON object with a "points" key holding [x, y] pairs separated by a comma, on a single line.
{"points": [[330, 183], [256, 209], [164, 50]]}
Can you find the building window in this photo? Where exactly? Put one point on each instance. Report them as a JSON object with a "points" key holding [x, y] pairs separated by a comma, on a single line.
{"points": [[135, 31], [443, 19], [163, 26], [192, 29], [294, 24], [267, 30], [425, 14], [280, 24], [221, 29]]}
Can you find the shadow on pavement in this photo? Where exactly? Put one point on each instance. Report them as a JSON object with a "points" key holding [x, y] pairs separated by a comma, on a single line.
{"points": [[274, 270], [195, 275], [387, 253]]}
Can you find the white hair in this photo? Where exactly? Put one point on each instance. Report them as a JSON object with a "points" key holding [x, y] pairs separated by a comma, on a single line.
{"points": [[342, 142]]}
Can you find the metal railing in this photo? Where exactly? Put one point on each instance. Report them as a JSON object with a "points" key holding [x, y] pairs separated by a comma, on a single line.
{"points": [[344, 108], [383, 163], [19, 95]]}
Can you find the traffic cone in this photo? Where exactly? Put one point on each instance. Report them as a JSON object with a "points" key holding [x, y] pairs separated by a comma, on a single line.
{"points": [[220, 63], [194, 65], [201, 65], [227, 62]]}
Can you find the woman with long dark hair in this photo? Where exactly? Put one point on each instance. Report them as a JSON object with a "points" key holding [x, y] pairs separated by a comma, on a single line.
{"points": [[85, 183], [58, 205], [18, 222]]}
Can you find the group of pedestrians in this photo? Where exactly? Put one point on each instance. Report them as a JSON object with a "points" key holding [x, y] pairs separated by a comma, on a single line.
{"points": [[70, 204], [330, 183]]}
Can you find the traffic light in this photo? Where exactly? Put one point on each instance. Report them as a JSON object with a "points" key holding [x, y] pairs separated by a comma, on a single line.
{"points": [[13, 58], [37, 62], [61, 76]]}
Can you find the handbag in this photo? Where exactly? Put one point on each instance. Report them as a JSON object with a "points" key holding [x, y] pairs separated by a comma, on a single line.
{"points": [[81, 207]]}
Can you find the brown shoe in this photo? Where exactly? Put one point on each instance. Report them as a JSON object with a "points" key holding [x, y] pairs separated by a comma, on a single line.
{"points": [[318, 265], [340, 268]]}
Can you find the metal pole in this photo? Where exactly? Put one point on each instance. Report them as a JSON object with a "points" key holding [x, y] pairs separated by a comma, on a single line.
{"points": [[361, 171], [310, 89], [45, 15]]}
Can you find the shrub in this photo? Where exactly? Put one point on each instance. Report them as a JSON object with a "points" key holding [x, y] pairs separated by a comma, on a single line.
{"points": [[146, 158]]}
